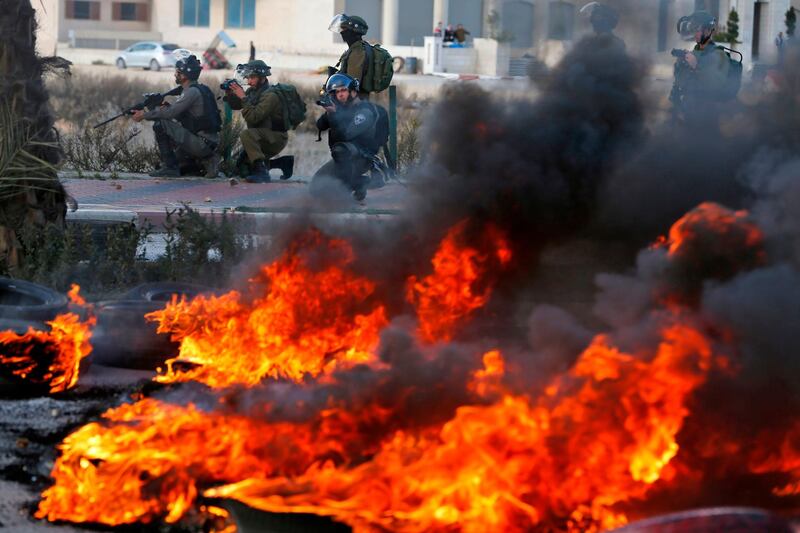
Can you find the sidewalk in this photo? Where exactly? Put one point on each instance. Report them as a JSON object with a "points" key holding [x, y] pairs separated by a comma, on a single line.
{"points": [[107, 199]]}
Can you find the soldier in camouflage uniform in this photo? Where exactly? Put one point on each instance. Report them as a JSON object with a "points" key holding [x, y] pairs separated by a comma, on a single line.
{"points": [[701, 75], [266, 134], [353, 61]]}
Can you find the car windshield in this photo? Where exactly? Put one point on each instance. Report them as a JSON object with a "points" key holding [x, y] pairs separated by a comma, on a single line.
{"points": [[169, 47]]}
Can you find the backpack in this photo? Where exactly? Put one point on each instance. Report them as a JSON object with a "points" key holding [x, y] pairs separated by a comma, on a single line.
{"points": [[294, 108], [378, 69], [734, 81], [381, 126]]}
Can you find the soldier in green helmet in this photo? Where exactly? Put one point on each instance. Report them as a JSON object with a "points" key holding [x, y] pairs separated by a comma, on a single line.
{"points": [[266, 134], [354, 61]]}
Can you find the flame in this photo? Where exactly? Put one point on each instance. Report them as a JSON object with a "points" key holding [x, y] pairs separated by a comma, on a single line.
{"points": [[445, 298], [50, 358], [606, 437], [309, 321]]}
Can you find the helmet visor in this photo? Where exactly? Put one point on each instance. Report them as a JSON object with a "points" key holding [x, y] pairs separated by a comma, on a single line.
{"points": [[588, 8], [181, 53], [336, 23], [688, 26]]}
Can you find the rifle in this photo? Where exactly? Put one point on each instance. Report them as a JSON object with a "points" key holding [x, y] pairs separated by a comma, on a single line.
{"points": [[151, 101]]}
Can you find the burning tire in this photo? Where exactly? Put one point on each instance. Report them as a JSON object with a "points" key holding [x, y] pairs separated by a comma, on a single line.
{"points": [[22, 300], [163, 291], [711, 520], [123, 338]]}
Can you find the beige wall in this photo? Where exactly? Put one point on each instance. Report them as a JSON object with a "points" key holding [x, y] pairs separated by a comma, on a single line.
{"points": [[47, 17], [290, 26]]}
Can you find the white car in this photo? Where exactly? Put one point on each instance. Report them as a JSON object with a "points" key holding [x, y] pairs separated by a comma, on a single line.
{"points": [[149, 54]]}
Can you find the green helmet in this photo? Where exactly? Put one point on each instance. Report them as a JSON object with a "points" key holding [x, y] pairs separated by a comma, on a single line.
{"points": [[697, 21], [255, 67], [344, 22]]}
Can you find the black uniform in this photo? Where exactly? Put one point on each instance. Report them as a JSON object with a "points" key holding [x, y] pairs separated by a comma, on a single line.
{"points": [[354, 138]]}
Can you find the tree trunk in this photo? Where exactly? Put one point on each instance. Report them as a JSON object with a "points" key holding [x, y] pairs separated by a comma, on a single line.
{"points": [[30, 194]]}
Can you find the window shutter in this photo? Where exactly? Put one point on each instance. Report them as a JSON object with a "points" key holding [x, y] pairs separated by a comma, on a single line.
{"points": [[69, 6], [116, 11], [94, 13], [142, 12]]}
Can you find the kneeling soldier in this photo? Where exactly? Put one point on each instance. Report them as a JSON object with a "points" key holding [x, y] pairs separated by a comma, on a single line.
{"points": [[266, 134], [187, 131]]}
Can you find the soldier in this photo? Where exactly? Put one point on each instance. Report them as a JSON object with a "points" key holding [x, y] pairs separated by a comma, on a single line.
{"points": [[702, 78], [603, 19], [266, 134], [354, 61], [358, 129], [187, 131]]}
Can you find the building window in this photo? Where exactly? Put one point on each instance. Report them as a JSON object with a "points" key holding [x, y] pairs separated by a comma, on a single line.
{"points": [[561, 21], [129, 11], [82, 9], [240, 14], [194, 12]]}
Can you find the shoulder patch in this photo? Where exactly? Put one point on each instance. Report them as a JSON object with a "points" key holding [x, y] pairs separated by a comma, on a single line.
{"points": [[359, 119]]}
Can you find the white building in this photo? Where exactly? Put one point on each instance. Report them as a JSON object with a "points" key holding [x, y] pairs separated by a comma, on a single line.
{"points": [[297, 29]]}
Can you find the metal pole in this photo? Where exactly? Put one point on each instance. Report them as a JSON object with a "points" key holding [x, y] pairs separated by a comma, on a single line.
{"points": [[393, 125], [229, 123]]}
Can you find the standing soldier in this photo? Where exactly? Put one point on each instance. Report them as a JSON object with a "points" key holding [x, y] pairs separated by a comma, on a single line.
{"points": [[705, 76], [188, 130], [263, 111], [354, 61]]}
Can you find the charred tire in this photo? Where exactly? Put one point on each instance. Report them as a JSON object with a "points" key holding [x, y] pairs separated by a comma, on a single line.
{"points": [[123, 338], [11, 385], [23, 300], [162, 291]]}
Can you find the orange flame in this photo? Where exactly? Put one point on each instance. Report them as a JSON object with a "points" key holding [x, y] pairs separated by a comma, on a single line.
{"points": [[606, 437], [49, 358], [452, 292], [309, 321]]}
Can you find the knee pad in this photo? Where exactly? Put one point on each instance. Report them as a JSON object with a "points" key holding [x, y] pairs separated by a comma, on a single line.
{"points": [[343, 152]]}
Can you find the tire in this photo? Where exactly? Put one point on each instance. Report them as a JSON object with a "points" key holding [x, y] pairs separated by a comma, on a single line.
{"points": [[23, 300], [162, 291], [154, 66], [11, 385], [121, 64], [123, 338]]}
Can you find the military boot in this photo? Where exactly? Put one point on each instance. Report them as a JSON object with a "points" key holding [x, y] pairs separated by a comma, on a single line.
{"points": [[169, 162], [285, 164], [211, 166], [258, 172]]}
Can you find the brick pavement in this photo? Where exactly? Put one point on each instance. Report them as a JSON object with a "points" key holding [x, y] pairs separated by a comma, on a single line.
{"points": [[150, 198]]}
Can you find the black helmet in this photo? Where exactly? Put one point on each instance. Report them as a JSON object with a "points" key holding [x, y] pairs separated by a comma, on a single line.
{"points": [[189, 66], [697, 21], [255, 67], [344, 22], [603, 18], [337, 81]]}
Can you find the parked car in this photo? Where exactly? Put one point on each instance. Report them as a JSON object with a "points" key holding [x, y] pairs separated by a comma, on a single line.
{"points": [[149, 54]]}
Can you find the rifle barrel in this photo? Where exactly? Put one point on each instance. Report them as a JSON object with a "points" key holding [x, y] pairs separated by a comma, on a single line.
{"points": [[115, 117]]}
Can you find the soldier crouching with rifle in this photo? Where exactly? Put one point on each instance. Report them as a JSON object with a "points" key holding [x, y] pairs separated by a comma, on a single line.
{"points": [[263, 111], [187, 131]]}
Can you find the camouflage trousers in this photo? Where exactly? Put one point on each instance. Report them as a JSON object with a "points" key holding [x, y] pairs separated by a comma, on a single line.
{"points": [[263, 143]]}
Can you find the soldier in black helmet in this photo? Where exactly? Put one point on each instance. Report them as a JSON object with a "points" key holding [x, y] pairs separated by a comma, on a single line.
{"points": [[358, 129], [266, 134], [604, 20], [187, 131], [354, 61], [702, 75]]}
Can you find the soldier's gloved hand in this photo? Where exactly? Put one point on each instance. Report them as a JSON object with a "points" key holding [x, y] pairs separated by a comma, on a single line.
{"points": [[330, 109], [691, 59], [137, 115]]}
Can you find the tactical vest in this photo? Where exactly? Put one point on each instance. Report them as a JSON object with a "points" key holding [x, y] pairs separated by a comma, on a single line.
{"points": [[209, 121]]}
